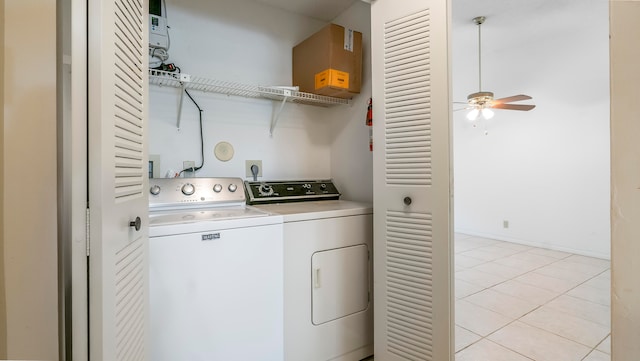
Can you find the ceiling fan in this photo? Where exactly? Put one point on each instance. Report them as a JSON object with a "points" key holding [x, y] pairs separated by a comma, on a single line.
{"points": [[482, 102]]}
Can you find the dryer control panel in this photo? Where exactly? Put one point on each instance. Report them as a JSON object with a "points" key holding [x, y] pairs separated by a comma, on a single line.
{"points": [[290, 191]]}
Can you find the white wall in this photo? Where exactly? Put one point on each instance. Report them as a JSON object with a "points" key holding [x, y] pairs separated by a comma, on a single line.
{"points": [[545, 171], [251, 43], [351, 160]]}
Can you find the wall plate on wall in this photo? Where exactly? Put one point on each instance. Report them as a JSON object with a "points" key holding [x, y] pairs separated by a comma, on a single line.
{"points": [[223, 151], [154, 166]]}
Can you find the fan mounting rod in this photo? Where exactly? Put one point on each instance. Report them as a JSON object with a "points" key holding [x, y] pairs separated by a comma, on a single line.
{"points": [[481, 102], [479, 20]]}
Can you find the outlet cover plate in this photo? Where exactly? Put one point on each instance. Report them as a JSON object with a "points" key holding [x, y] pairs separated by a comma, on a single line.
{"points": [[249, 163], [188, 164]]}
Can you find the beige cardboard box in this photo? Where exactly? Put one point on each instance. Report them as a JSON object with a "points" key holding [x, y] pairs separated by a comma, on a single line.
{"points": [[329, 62]]}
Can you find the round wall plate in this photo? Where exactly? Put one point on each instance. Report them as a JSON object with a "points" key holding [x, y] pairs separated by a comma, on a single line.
{"points": [[223, 151]]}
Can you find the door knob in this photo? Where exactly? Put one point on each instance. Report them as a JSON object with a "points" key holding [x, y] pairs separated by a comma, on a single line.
{"points": [[407, 200], [136, 224]]}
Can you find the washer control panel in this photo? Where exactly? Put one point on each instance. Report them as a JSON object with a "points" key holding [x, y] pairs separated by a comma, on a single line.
{"points": [[290, 191], [181, 192]]}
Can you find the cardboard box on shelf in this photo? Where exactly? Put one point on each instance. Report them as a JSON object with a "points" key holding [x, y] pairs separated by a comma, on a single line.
{"points": [[329, 62]]}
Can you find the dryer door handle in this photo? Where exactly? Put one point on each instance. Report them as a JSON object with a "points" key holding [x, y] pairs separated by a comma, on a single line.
{"points": [[316, 278]]}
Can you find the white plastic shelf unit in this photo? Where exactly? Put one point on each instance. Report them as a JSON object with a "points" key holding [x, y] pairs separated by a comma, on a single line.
{"points": [[281, 94]]}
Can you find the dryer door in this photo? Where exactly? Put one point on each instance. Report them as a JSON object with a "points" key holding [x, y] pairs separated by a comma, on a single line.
{"points": [[340, 283]]}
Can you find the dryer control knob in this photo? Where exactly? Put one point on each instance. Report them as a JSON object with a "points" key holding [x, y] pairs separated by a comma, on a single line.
{"points": [[217, 188], [155, 189], [233, 188], [188, 189], [265, 190]]}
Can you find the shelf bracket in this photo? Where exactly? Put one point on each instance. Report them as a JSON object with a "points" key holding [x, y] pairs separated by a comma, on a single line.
{"points": [[276, 114], [183, 87]]}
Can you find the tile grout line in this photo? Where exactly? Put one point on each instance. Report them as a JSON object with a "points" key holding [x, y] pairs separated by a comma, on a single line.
{"points": [[592, 348]]}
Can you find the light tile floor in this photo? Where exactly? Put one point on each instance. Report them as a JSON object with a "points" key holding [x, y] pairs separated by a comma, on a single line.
{"points": [[521, 303]]}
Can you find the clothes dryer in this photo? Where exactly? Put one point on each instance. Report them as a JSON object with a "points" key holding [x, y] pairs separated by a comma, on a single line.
{"points": [[328, 308]]}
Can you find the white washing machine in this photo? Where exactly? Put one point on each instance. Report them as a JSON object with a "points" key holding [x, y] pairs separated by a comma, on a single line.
{"points": [[328, 275], [216, 274]]}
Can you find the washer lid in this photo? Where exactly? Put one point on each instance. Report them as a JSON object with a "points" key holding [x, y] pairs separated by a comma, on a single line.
{"points": [[206, 220], [304, 211], [204, 215]]}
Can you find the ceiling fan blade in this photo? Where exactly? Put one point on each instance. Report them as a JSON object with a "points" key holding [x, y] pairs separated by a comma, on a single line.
{"points": [[465, 108], [513, 106], [514, 98]]}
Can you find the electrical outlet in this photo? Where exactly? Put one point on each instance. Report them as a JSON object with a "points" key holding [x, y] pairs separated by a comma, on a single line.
{"points": [[505, 224], [154, 166], [249, 163], [188, 164]]}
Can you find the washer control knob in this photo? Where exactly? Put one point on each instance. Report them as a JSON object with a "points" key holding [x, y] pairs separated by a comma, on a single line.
{"points": [[155, 189], [306, 186], [188, 189], [233, 188], [265, 190], [217, 188], [323, 186]]}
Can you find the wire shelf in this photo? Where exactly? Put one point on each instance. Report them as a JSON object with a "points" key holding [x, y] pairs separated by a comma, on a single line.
{"points": [[177, 80], [282, 94]]}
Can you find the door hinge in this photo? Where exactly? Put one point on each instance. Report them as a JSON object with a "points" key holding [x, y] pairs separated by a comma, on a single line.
{"points": [[87, 231]]}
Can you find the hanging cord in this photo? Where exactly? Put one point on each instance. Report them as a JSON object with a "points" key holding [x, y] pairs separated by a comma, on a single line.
{"points": [[194, 169]]}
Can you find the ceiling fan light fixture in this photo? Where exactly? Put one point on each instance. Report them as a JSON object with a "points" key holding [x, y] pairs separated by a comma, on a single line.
{"points": [[482, 102], [473, 114], [487, 113], [481, 99]]}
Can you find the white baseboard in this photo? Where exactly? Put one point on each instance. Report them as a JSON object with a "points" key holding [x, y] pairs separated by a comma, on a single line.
{"points": [[532, 243]]}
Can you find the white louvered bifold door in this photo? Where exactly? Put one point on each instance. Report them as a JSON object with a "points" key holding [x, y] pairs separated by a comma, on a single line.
{"points": [[413, 290], [117, 108]]}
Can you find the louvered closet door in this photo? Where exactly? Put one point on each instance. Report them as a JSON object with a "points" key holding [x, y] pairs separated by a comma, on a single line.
{"points": [[117, 108], [412, 181]]}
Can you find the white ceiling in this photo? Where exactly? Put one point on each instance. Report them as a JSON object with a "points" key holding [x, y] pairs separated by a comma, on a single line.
{"points": [[325, 10], [501, 12], [528, 44], [523, 41]]}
